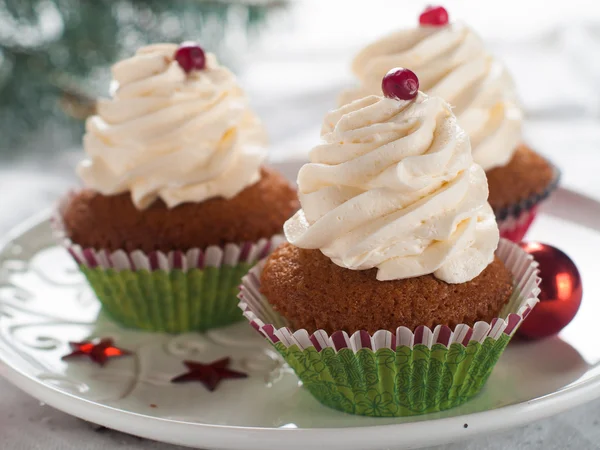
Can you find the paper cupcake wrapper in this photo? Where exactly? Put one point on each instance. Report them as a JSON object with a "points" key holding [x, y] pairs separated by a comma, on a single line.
{"points": [[403, 373], [514, 220], [171, 292], [515, 228]]}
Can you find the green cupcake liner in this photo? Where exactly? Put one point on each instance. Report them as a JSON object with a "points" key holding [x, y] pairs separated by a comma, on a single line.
{"points": [[170, 301], [404, 373], [389, 383], [174, 292]]}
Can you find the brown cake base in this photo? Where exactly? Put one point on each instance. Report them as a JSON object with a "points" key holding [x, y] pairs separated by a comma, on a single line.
{"points": [[313, 293], [93, 220], [525, 175]]}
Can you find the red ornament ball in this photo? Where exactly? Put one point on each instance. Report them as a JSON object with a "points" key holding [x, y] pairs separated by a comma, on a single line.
{"points": [[560, 295], [190, 56], [436, 16], [400, 83]]}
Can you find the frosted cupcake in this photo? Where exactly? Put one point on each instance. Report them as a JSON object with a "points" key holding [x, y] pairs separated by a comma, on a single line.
{"points": [[177, 204], [392, 296], [452, 63]]}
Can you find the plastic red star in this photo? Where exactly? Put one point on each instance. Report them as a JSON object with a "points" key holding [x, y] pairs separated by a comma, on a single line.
{"points": [[208, 374], [99, 351]]}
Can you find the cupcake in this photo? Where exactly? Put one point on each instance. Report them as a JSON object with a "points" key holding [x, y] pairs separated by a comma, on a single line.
{"points": [[452, 63], [392, 296], [177, 204]]}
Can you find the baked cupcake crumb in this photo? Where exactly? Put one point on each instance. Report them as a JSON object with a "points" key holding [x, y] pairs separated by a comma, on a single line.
{"points": [[313, 293], [93, 220], [526, 174]]}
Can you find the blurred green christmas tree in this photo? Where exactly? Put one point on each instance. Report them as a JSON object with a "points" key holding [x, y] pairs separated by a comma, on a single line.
{"points": [[54, 54]]}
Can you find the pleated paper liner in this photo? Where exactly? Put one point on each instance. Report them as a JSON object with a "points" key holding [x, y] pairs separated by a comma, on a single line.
{"points": [[172, 292], [514, 220], [397, 374]]}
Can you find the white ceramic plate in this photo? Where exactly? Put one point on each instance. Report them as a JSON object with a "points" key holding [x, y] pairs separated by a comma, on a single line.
{"points": [[44, 304]]}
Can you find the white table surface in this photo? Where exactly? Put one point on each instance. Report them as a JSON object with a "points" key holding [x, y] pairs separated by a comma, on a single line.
{"points": [[292, 80]]}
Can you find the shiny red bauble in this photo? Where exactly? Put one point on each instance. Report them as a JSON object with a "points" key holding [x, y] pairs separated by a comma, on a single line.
{"points": [[561, 292], [400, 83], [190, 56], [436, 16]]}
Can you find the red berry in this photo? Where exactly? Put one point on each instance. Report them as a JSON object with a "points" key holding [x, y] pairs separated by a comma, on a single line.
{"points": [[400, 83], [434, 15], [190, 56]]}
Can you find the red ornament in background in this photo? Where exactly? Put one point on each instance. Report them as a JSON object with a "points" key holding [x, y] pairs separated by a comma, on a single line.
{"points": [[434, 16], [560, 295], [210, 375], [400, 83], [99, 351], [190, 56]]}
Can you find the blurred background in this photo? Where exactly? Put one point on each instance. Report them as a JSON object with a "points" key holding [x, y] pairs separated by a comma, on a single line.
{"points": [[291, 56]]}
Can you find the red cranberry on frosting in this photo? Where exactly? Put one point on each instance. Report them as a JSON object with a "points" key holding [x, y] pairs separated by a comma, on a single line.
{"points": [[190, 56], [400, 83], [435, 16]]}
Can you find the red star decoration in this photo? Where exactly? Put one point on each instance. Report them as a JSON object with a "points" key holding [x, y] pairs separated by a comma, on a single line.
{"points": [[210, 375], [99, 351]]}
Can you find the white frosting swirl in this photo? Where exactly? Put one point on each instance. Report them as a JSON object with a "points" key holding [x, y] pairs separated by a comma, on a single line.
{"points": [[452, 63], [164, 133], [394, 186]]}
